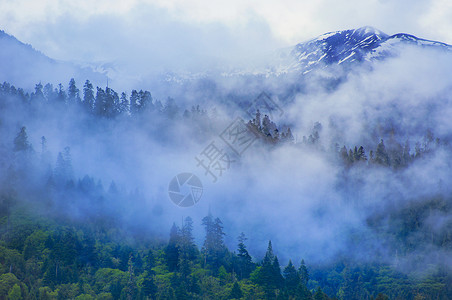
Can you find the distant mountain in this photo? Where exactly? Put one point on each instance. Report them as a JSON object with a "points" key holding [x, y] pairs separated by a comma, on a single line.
{"points": [[346, 48], [349, 47], [24, 66]]}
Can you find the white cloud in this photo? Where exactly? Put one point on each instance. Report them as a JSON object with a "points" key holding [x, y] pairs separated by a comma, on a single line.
{"points": [[138, 29]]}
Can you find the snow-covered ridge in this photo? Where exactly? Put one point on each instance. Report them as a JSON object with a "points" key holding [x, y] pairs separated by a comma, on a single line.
{"points": [[353, 46], [343, 48]]}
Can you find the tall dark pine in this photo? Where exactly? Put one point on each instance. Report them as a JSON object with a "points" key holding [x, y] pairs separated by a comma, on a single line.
{"points": [[100, 105], [213, 248], [171, 109], [111, 103], [172, 251], [303, 272], [21, 141], [145, 101], [381, 156], [291, 278], [61, 95], [236, 292], [277, 277], [134, 102], [245, 264], [50, 93], [124, 103], [187, 247], [73, 93], [302, 291], [270, 272], [38, 95], [63, 168], [187, 242], [88, 96]]}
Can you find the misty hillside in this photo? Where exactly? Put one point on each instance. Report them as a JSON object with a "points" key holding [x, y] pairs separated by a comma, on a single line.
{"points": [[22, 65], [329, 180]]}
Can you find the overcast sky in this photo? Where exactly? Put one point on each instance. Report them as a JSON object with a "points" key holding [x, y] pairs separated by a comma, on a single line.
{"points": [[198, 32]]}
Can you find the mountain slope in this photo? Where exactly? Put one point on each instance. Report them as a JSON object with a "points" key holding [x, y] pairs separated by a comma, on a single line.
{"points": [[352, 46], [22, 65]]}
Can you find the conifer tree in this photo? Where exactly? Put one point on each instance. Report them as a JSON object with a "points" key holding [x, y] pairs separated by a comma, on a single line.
{"points": [[291, 278], [88, 96], [270, 272], [236, 292], [73, 93], [134, 102], [124, 104], [21, 141], [381, 156], [245, 263], [172, 250], [213, 248]]}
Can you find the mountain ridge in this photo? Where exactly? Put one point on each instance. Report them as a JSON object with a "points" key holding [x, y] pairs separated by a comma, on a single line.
{"points": [[23, 65], [353, 45]]}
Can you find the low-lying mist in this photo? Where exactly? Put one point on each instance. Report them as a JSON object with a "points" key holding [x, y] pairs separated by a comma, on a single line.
{"points": [[300, 194]]}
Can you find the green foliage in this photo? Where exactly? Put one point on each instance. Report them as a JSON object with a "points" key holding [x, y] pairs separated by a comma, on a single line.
{"points": [[7, 282], [236, 292], [15, 293]]}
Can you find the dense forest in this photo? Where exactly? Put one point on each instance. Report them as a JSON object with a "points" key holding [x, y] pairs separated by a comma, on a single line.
{"points": [[66, 236]]}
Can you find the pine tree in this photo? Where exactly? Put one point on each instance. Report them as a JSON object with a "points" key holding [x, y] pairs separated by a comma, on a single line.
{"points": [[245, 264], [149, 262], [21, 141], [187, 248], [270, 273], [277, 277], [320, 295], [171, 109], [381, 156], [213, 248], [303, 273], [291, 278], [344, 155], [73, 93], [131, 283], [124, 106], [100, 103], [111, 103], [61, 95], [63, 167], [149, 287], [37, 96], [172, 250], [145, 101], [236, 292], [88, 96], [134, 102], [361, 154], [49, 93]]}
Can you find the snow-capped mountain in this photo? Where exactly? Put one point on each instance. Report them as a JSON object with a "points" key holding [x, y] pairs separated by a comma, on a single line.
{"points": [[344, 48], [22, 65], [351, 46]]}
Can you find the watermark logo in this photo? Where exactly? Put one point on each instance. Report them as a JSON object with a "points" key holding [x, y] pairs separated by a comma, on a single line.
{"points": [[214, 161], [239, 136], [185, 189]]}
